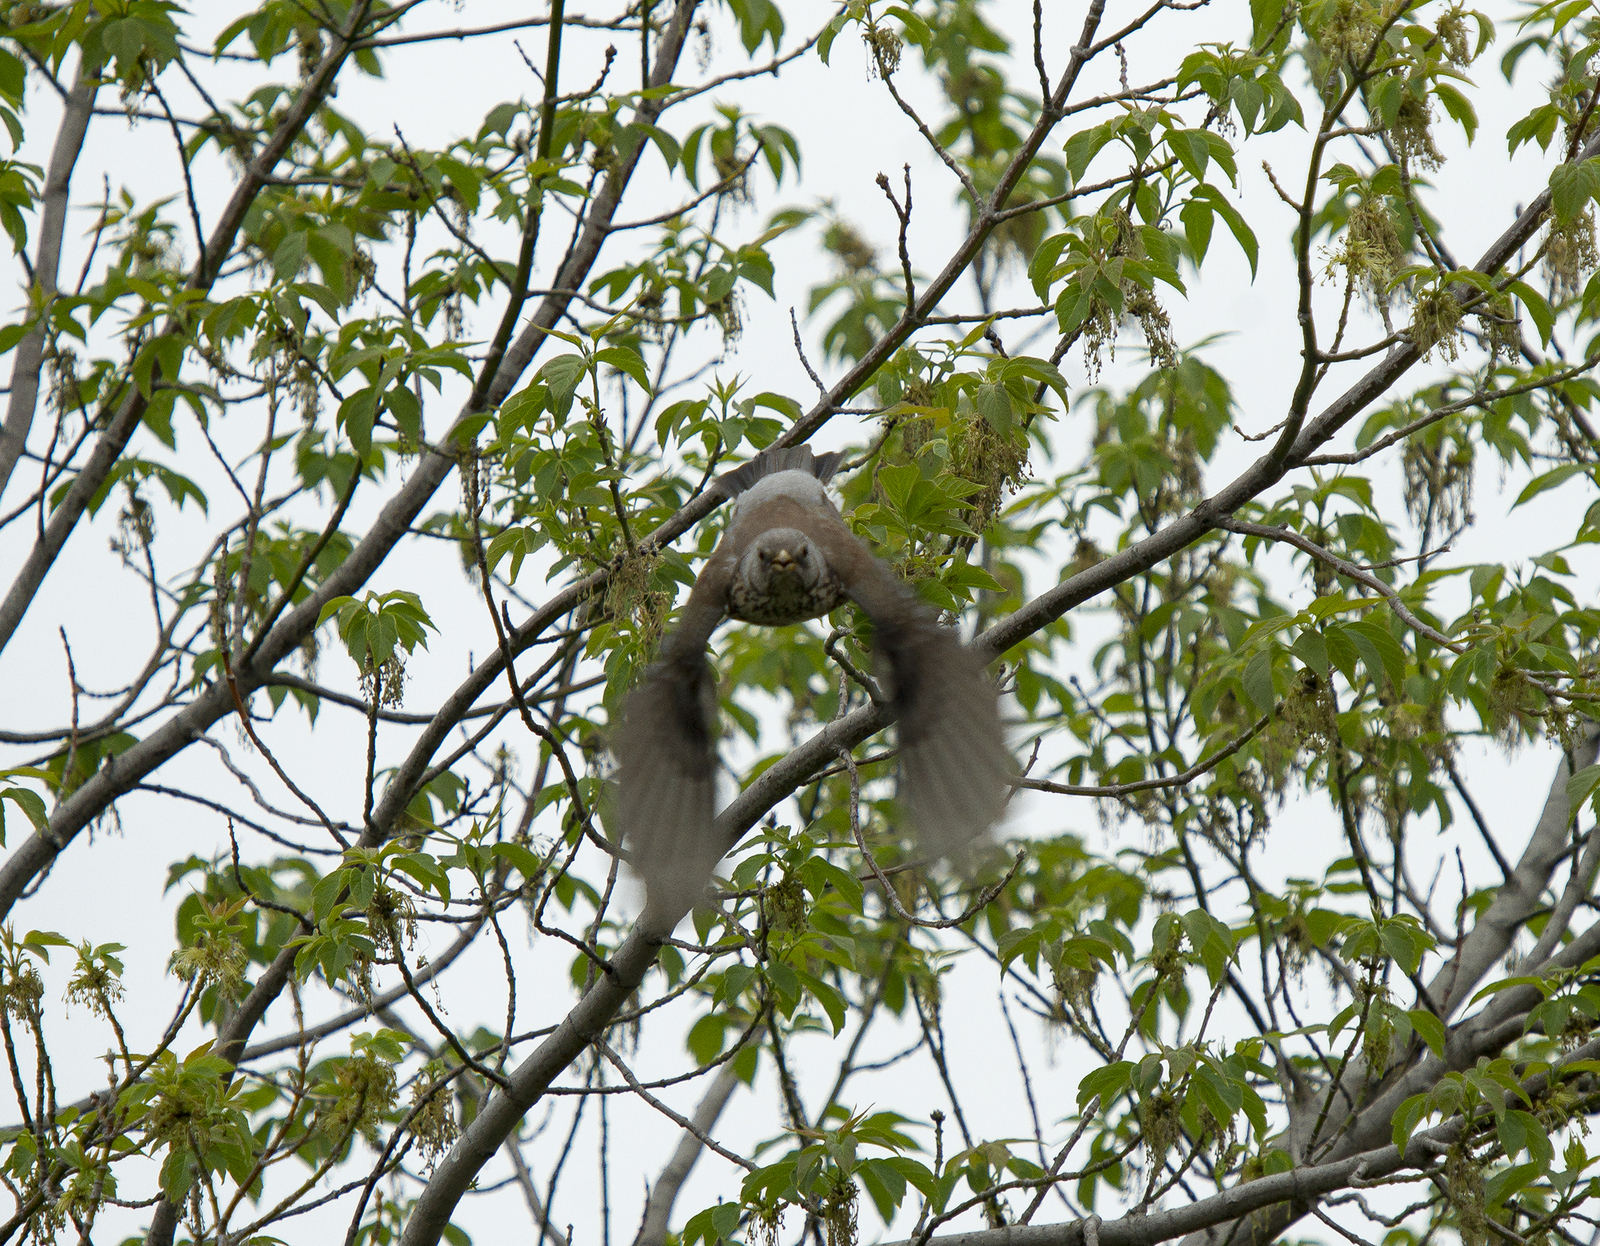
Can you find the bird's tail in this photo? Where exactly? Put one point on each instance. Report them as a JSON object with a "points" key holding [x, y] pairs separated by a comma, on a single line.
{"points": [[783, 459]]}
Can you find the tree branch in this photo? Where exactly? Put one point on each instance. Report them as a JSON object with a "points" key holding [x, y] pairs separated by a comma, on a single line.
{"points": [[23, 400]]}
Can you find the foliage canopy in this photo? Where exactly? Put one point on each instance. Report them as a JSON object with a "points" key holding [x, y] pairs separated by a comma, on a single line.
{"points": [[262, 380]]}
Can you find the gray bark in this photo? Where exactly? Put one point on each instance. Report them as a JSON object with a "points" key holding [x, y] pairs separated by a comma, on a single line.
{"points": [[54, 202], [658, 1207]]}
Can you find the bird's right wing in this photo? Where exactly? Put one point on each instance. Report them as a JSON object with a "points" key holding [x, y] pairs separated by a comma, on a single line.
{"points": [[953, 756], [666, 754]]}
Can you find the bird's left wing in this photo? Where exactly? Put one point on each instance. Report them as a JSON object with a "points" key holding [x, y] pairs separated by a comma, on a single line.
{"points": [[666, 755]]}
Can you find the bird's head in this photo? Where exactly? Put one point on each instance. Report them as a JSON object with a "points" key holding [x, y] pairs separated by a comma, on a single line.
{"points": [[783, 556]]}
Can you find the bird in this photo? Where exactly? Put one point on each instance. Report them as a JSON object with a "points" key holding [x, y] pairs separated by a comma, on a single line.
{"points": [[787, 556]]}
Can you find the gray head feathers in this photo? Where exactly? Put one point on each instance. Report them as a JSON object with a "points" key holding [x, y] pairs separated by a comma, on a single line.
{"points": [[802, 487]]}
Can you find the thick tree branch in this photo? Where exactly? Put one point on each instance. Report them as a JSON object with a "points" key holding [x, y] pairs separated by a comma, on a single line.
{"points": [[23, 400]]}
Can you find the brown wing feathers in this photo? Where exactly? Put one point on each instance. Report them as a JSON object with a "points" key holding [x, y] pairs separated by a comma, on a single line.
{"points": [[667, 772], [953, 759]]}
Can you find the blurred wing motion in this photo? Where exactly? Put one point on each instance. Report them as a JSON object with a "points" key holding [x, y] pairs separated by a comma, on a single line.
{"points": [[953, 757], [666, 759]]}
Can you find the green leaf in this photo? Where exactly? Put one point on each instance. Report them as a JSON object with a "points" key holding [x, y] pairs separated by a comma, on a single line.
{"points": [[1549, 480], [498, 119], [1264, 18], [520, 857], [785, 982], [177, 1175], [1459, 107], [1257, 682], [970, 575], [1312, 650], [725, 1219], [1106, 1082], [405, 408], [1197, 216], [1242, 233], [1503, 984], [1380, 651], [884, 1185], [320, 294], [1542, 314], [36, 940], [31, 804], [1521, 1131], [821, 873], [1405, 1120], [1571, 187], [1192, 151], [426, 871], [1083, 146], [832, 1002], [290, 255], [1506, 1182], [562, 374], [826, 38], [994, 404], [1430, 1028], [898, 482], [1580, 785], [626, 359], [357, 414], [157, 417]]}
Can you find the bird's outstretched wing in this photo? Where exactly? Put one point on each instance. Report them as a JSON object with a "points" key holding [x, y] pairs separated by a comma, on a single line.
{"points": [[666, 755], [953, 756]]}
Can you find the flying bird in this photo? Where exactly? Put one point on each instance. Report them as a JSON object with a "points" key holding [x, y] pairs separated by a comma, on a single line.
{"points": [[788, 556]]}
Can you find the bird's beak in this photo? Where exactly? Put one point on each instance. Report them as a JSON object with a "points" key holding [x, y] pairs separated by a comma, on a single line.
{"points": [[783, 560]]}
